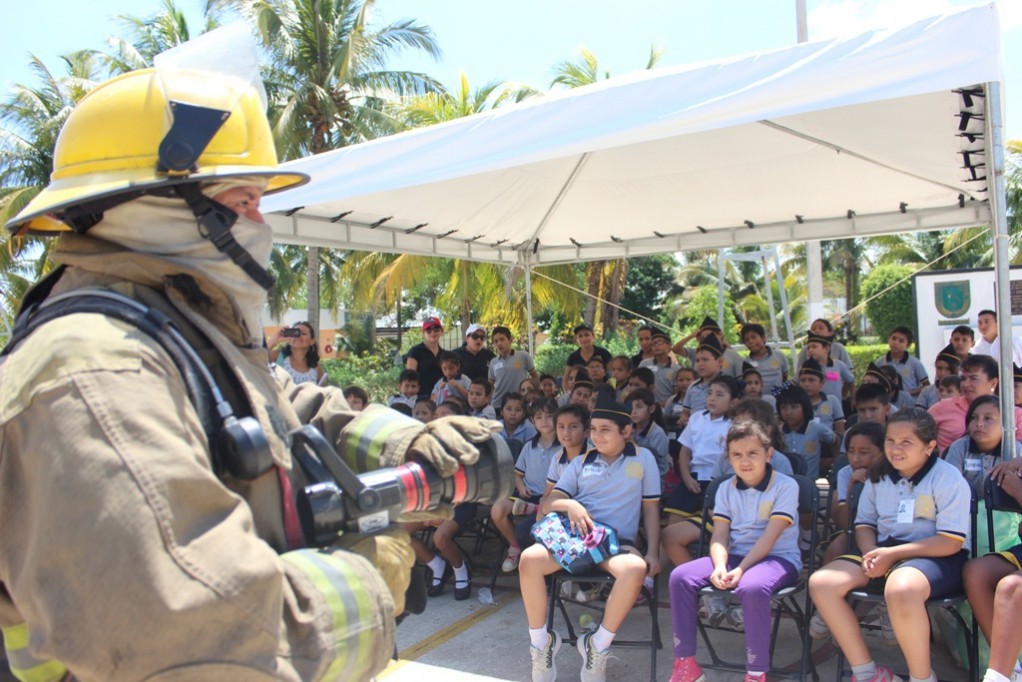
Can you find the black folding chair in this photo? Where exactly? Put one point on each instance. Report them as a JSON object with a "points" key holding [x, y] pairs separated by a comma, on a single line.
{"points": [[793, 601], [949, 603]]}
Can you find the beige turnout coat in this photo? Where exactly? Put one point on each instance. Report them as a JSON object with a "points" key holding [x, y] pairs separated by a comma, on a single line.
{"points": [[122, 555]]}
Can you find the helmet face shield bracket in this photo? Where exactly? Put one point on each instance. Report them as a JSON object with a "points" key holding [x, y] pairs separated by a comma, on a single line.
{"points": [[191, 131]]}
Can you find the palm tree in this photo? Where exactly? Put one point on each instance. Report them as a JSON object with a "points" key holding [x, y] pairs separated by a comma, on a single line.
{"points": [[604, 279], [441, 105], [32, 118], [148, 36], [327, 80]]}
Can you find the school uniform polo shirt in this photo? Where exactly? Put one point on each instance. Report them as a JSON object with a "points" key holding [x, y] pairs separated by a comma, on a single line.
{"points": [[524, 432], [828, 410], [403, 399], [695, 396], [613, 491], [558, 464], [772, 367], [507, 374], [705, 436], [903, 399], [928, 397], [809, 441], [654, 439], [750, 509], [844, 476], [910, 369], [935, 501], [486, 413], [732, 365], [534, 462], [836, 374], [663, 377], [975, 466]]}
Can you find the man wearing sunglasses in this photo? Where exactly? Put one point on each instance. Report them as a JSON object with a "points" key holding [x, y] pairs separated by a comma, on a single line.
{"points": [[475, 356]]}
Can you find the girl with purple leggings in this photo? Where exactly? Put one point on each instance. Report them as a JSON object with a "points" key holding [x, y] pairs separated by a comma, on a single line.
{"points": [[753, 551]]}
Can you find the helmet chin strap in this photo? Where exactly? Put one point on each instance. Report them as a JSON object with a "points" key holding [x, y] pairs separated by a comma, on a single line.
{"points": [[215, 222]]}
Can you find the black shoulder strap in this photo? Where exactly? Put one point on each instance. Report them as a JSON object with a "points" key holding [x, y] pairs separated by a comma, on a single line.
{"points": [[238, 446]]}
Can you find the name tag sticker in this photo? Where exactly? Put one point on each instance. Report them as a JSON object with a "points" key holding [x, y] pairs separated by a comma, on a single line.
{"points": [[906, 509], [972, 464], [832, 375]]}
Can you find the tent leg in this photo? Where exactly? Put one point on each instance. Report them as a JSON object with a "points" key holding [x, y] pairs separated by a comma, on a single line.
{"points": [[720, 288], [528, 307], [999, 234], [770, 295]]}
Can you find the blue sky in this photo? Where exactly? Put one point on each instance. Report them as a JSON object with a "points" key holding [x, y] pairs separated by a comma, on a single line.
{"points": [[523, 40]]}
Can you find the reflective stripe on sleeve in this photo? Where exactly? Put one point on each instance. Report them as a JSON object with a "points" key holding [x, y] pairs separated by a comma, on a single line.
{"points": [[353, 615], [24, 665], [369, 434]]}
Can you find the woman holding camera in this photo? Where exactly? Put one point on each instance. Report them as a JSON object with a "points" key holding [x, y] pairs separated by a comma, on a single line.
{"points": [[299, 357]]}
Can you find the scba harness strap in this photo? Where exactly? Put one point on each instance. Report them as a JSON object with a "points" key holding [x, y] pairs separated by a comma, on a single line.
{"points": [[237, 446]]}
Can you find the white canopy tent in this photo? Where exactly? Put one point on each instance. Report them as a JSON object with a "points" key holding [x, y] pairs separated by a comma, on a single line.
{"points": [[888, 131]]}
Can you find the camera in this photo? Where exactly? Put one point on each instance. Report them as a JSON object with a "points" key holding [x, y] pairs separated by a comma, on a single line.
{"points": [[338, 499], [292, 332]]}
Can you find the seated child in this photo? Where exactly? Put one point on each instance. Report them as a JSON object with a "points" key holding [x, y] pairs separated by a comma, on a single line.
{"points": [[753, 551], [753, 385], [453, 384], [804, 436], [448, 559], [614, 483], [764, 414], [865, 448], [641, 378], [531, 470], [529, 388], [702, 444], [582, 389], [950, 387], [568, 383], [597, 370], [993, 584], [900, 398], [708, 364], [424, 410], [946, 365], [673, 405], [963, 338], [452, 407], [871, 406], [912, 529], [620, 368], [976, 454], [772, 364], [605, 390], [357, 398], [479, 393], [548, 385], [515, 416], [909, 368], [648, 433], [827, 408], [837, 375], [572, 423], [407, 389]]}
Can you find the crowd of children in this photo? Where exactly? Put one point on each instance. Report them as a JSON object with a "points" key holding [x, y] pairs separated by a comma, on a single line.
{"points": [[634, 443]]}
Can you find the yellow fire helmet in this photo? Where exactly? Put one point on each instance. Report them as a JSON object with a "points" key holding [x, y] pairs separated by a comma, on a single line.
{"points": [[125, 138]]}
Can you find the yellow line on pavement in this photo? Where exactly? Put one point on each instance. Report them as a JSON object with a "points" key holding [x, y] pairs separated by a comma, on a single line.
{"points": [[439, 637]]}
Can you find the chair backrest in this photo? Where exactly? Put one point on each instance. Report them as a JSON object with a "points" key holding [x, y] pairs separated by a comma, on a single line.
{"points": [[798, 464], [708, 500], [839, 464], [809, 503]]}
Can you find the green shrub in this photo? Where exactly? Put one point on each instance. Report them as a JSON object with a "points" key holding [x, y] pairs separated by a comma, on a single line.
{"points": [[551, 356], [863, 355], [893, 307], [376, 373]]}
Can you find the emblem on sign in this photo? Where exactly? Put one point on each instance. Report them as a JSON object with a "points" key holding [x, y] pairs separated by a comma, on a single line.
{"points": [[952, 298]]}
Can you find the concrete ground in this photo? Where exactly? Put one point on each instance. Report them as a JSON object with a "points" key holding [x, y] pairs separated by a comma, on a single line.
{"points": [[472, 641]]}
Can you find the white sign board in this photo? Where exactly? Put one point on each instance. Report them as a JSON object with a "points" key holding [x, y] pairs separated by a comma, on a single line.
{"points": [[947, 298]]}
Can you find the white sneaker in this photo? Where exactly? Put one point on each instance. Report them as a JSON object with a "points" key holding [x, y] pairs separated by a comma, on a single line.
{"points": [[594, 663], [514, 555], [594, 593], [818, 628], [544, 669]]}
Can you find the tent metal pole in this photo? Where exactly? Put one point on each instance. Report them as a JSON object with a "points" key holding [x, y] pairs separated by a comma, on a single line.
{"points": [[787, 315], [720, 289], [770, 294], [999, 233], [528, 305]]}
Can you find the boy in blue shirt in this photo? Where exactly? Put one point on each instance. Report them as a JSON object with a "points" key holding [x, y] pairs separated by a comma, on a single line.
{"points": [[612, 483], [910, 368]]}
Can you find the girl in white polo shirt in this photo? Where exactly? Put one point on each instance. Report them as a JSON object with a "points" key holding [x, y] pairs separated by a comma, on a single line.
{"points": [[913, 514]]}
